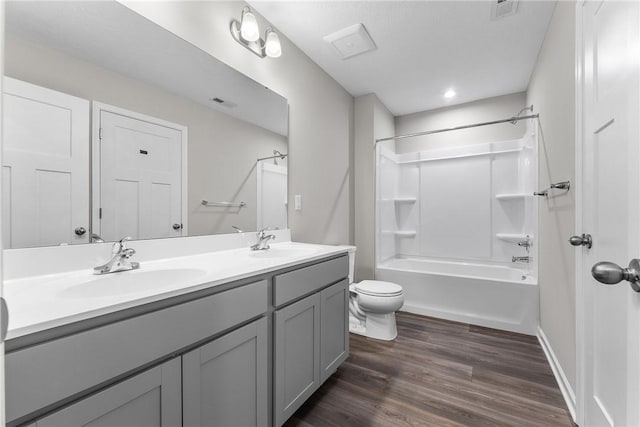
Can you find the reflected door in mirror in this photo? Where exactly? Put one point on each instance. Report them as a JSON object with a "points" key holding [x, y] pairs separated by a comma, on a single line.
{"points": [[45, 167], [140, 176], [272, 196]]}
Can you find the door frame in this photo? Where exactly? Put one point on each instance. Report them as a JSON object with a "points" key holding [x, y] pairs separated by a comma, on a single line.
{"points": [[2, 387], [579, 285], [96, 110]]}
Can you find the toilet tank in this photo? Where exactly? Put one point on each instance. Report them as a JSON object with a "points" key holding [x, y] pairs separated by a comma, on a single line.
{"points": [[352, 263]]}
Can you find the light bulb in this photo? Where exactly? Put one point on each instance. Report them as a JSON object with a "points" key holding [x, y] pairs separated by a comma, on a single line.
{"points": [[272, 45], [450, 94], [249, 26]]}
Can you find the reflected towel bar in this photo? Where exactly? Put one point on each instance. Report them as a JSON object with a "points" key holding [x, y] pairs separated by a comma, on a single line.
{"points": [[224, 204]]}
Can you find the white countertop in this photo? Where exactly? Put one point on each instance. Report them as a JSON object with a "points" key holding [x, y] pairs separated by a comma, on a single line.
{"points": [[42, 302]]}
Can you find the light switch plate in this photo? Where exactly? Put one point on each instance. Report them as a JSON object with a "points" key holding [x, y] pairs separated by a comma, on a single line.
{"points": [[298, 202]]}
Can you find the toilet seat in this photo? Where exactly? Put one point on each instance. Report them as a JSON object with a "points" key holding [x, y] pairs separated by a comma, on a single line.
{"points": [[378, 288]]}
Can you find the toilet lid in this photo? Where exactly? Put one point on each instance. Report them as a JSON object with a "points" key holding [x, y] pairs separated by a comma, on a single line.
{"points": [[378, 288]]}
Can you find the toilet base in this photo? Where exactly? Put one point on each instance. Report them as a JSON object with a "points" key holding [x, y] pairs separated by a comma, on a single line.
{"points": [[378, 326]]}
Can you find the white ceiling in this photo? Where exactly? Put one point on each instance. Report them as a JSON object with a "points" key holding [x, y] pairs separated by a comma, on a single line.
{"points": [[112, 36], [423, 47]]}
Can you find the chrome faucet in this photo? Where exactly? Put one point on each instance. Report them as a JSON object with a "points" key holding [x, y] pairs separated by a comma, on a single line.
{"points": [[120, 260], [526, 244], [95, 238], [525, 259], [262, 243]]}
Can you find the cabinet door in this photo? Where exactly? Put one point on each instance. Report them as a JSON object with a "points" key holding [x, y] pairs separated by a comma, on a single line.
{"points": [[297, 355], [225, 381], [152, 398], [334, 327]]}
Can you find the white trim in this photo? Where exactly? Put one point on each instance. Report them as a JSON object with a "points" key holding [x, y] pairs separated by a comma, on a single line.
{"points": [[565, 388], [96, 109], [579, 264], [2, 273]]}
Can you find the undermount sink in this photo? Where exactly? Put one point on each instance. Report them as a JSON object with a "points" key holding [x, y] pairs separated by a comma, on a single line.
{"points": [[284, 252], [128, 282]]}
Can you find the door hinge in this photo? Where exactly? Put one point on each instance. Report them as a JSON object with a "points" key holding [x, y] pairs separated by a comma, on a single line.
{"points": [[100, 134], [100, 213]]}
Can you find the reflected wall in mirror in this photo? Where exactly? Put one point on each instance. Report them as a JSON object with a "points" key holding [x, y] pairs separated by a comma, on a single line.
{"points": [[115, 126]]}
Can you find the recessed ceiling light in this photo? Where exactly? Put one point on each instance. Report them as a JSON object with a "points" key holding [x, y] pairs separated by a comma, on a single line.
{"points": [[450, 94]]}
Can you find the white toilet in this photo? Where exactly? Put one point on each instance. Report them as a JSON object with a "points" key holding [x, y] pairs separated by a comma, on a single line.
{"points": [[372, 306]]}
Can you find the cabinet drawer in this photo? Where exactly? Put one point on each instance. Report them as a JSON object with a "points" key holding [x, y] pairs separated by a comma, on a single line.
{"points": [[39, 376], [298, 283]]}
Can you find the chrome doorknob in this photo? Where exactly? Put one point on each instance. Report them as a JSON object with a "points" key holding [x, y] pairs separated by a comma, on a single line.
{"points": [[80, 231], [177, 226], [584, 240], [610, 273]]}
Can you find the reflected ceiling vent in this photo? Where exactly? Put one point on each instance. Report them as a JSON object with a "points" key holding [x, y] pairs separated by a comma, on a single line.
{"points": [[224, 103], [350, 41], [503, 8]]}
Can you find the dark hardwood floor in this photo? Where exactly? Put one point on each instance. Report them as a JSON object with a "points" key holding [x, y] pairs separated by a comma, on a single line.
{"points": [[439, 373]]}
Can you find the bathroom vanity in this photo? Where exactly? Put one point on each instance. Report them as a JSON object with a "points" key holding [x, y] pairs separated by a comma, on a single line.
{"points": [[243, 340]]}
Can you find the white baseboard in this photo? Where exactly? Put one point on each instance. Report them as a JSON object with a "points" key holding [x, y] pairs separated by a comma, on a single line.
{"points": [[561, 378]]}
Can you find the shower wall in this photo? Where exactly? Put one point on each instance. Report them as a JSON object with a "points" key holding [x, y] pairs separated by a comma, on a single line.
{"points": [[469, 203]]}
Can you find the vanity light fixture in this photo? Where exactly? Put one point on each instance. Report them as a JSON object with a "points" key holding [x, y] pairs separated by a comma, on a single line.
{"points": [[247, 33]]}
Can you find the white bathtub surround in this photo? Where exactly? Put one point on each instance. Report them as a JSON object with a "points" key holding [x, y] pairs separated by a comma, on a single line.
{"points": [[449, 222], [39, 299], [495, 296]]}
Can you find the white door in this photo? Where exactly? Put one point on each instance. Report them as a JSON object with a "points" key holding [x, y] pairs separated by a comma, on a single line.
{"points": [[610, 213], [272, 196], [45, 167], [140, 178]]}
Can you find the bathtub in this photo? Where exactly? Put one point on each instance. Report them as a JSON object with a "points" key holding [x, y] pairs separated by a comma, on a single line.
{"points": [[495, 296]]}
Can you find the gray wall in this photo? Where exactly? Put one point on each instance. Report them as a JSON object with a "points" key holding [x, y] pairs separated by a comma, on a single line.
{"points": [[222, 149], [552, 91], [320, 121], [499, 107], [372, 121]]}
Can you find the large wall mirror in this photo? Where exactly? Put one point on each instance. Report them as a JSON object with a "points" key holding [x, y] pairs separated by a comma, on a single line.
{"points": [[115, 127]]}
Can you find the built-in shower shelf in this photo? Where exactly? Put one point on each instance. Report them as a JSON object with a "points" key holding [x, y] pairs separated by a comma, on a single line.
{"points": [[512, 196], [400, 233], [513, 237], [407, 200], [401, 200]]}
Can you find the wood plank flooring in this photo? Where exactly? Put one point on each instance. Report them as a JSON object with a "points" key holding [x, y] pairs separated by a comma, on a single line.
{"points": [[439, 373]]}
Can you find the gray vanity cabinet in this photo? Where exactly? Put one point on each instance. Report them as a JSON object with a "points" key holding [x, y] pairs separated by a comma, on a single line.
{"points": [[311, 335], [225, 381], [334, 328], [297, 355], [151, 398]]}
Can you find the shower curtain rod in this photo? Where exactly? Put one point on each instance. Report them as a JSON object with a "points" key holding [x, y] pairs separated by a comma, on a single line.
{"points": [[277, 156], [429, 132]]}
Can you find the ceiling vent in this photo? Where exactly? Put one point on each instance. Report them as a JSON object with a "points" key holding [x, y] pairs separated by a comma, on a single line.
{"points": [[224, 103], [503, 8], [350, 41]]}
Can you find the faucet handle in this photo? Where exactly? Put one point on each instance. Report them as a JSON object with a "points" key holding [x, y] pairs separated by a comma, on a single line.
{"points": [[120, 245]]}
